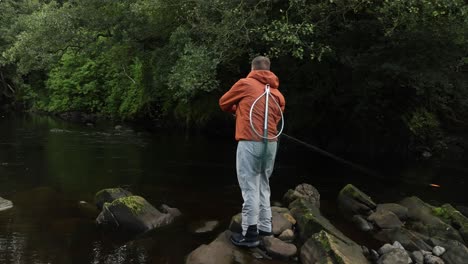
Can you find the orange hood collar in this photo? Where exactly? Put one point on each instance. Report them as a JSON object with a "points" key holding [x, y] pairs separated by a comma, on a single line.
{"points": [[265, 77]]}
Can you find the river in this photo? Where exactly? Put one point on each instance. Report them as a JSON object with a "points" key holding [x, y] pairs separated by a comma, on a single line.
{"points": [[48, 166]]}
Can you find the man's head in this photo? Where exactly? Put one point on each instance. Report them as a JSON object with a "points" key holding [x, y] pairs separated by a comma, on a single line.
{"points": [[260, 63]]}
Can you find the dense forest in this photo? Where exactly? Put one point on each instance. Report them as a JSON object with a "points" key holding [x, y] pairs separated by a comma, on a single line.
{"points": [[379, 74]]}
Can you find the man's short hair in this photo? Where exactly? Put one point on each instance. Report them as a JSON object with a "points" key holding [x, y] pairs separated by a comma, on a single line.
{"points": [[261, 63]]}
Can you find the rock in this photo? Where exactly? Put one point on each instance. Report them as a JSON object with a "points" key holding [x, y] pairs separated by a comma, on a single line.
{"points": [[134, 213], [352, 201], [425, 222], [398, 210], [463, 210], [409, 239], [304, 191], [278, 248], [205, 227], [438, 251], [374, 256], [323, 247], [453, 217], [236, 223], [287, 235], [280, 223], [396, 256], [118, 127], [430, 259], [456, 252], [220, 251], [5, 204], [310, 221], [424, 252], [109, 195], [397, 244], [88, 210], [385, 219], [362, 223], [385, 249], [417, 257]]}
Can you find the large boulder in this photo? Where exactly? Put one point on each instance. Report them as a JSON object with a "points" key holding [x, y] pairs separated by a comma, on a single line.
{"points": [[304, 191], [221, 251], [324, 248], [310, 221], [395, 256], [352, 201], [453, 217], [385, 219], [134, 213], [398, 210], [424, 220], [109, 195], [5, 204]]}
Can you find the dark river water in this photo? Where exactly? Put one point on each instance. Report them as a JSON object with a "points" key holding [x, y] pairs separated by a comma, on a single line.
{"points": [[48, 166]]}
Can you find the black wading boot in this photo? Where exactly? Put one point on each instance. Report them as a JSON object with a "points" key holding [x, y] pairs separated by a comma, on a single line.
{"points": [[249, 240]]}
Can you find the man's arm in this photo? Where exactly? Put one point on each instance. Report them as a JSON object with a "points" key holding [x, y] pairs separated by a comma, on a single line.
{"points": [[228, 102]]}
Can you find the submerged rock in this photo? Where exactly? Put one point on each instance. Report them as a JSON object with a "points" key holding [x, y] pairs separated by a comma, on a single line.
{"points": [[304, 191], [5, 204], [204, 227], [109, 195], [134, 213], [323, 247]]}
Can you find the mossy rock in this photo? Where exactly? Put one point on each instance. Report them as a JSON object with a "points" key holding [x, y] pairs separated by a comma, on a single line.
{"points": [[453, 217], [134, 213], [424, 219], [324, 248], [310, 220], [109, 195], [352, 201]]}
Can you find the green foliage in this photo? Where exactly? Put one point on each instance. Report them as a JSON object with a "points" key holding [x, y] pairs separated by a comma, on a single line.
{"points": [[370, 72]]}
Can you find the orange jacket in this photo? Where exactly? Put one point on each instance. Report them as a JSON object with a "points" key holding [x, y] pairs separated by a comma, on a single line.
{"points": [[242, 95]]}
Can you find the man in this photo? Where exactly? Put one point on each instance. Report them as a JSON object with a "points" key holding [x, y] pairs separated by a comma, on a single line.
{"points": [[256, 150]]}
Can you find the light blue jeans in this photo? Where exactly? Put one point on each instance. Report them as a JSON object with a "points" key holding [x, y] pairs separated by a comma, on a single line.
{"points": [[255, 163]]}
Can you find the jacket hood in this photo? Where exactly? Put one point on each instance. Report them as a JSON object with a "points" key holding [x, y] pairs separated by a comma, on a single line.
{"points": [[265, 77]]}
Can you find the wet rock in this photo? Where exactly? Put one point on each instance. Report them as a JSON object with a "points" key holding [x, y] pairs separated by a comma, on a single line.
{"points": [[221, 251], [5, 204], [398, 210], [135, 214], [352, 201], [205, 227], [431, 259], [385, 219], [323, 247], [362, 223], [310, 221], [417, 257], [396, 256], [397, 244], [287, 235], [438, 251], [278, 248], [304, 191], [109, 195]]}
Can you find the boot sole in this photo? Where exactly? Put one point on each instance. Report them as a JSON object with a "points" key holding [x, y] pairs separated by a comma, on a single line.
{"points": [[248, 244]]}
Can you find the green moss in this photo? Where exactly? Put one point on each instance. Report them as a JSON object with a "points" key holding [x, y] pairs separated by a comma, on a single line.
{"points": [[110, 190], [135, 203]]}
